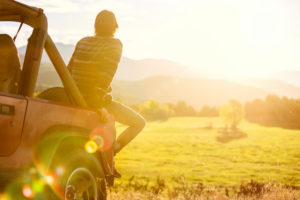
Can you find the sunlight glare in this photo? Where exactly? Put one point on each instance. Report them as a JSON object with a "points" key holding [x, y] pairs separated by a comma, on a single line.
{"points": [[49, 179], [91, 146], [27, 192]]}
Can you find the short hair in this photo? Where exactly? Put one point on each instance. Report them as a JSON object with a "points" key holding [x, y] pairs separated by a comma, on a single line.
{"points": [[106, 23]]}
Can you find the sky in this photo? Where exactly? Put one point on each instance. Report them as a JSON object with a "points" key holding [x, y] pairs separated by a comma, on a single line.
{"points": [[222, 37]]}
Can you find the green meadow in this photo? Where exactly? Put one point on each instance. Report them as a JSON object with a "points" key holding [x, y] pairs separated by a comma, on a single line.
{"points": [[197, 149]]}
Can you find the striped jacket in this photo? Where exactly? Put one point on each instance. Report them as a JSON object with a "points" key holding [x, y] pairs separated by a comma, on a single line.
{"points": [[93, 66]]}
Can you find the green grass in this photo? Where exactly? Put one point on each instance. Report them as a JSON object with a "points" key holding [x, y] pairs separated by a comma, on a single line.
{"points": [[184, 147]]}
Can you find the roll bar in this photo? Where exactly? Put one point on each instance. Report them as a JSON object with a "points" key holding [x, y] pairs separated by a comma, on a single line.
{"points": [[63, 72], [11, 10]]}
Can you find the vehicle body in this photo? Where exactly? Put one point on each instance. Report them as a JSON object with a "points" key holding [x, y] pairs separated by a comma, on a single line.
{"points": [[38, 133]]}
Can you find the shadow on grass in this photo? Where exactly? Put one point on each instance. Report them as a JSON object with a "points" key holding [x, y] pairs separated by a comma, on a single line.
{"points": [[228, 136]]}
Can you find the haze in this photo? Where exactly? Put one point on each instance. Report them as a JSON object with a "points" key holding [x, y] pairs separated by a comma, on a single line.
{"points": [[226, 38]]}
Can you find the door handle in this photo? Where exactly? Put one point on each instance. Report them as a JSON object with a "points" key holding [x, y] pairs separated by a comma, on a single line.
{"points": [[7, 109]]}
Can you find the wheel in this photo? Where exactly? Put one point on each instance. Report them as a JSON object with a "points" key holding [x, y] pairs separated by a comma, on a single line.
{"points": [[83, 178], [81, 184], [84, 182]]}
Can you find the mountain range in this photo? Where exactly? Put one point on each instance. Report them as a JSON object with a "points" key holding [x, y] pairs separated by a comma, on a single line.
{"points": [[140, 80], [129, 69], [290, 76]]}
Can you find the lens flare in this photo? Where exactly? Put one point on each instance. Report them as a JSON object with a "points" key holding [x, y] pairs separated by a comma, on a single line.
{"points": [[27, 192], [99, 140], [49, 179], [91, 146], [37, 186], [59, 171], [3, 197], [103, 137]]}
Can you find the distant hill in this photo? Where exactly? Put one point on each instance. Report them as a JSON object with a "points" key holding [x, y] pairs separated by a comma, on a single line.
{"points": [[140, 69], [129, 69], [65, 50], [274, 86], [196, 92], [140, 80], [292, 77]]}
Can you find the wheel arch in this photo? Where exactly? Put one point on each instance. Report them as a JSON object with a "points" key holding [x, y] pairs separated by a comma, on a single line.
{"points": [[60, 138]]}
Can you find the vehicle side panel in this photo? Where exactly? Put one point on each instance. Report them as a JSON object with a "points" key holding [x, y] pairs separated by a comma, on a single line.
{"points": [[12, 112], [40, 116]]}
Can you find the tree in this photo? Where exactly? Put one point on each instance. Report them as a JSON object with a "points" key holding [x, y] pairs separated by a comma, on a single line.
{"points": [[232, 114], [153, 110], [274, 111], [208, 111], [181, 108]]}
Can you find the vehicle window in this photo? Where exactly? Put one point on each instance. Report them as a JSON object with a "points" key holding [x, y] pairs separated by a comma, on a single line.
{"points": [[49, 85], [47, 77], [11, 57]]}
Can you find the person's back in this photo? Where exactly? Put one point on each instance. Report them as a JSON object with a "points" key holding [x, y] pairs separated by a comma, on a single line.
{"points": [[93, 66]]}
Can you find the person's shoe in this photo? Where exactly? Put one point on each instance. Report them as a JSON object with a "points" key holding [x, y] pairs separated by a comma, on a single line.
{"points": [[117, 174]]}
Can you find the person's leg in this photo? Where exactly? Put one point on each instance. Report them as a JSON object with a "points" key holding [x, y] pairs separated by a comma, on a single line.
{"points": [[127, 116]]}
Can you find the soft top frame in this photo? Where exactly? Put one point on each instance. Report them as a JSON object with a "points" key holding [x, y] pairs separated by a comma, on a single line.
{"points": [[14, 11]]}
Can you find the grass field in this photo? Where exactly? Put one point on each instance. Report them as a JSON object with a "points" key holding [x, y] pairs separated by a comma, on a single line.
{"points": [[196, 149]]}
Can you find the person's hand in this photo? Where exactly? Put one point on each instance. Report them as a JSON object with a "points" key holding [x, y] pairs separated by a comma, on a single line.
{"points": [[103, 115]]}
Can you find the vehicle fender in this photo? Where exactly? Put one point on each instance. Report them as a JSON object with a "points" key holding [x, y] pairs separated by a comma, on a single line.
{"points": [[60, 140]]}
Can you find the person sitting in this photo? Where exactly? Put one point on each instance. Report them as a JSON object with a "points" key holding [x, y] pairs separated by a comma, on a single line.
{"points": [[93, 66]]}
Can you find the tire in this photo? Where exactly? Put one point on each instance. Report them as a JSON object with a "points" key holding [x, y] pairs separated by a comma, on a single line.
{"points": [[81, 184]]}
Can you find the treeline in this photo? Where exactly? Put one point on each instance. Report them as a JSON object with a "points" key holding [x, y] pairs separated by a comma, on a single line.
{"points": [[274, 111], [154, 110]]}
